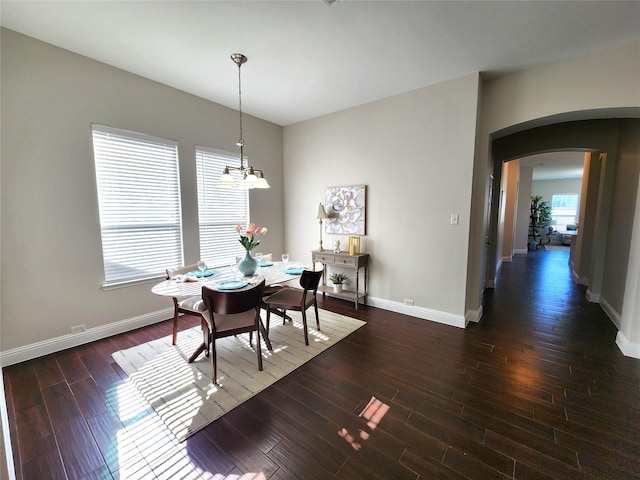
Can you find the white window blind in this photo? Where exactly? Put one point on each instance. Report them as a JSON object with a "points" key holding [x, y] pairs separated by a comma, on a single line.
{"points": [[139, 199], [219, 209]]}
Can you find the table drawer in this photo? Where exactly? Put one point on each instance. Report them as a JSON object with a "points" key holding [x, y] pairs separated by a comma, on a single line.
{"points": [[321, 257], [350, 261]]}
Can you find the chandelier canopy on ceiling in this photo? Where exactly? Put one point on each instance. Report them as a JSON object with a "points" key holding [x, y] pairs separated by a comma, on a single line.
{"points": [[251, 177]]}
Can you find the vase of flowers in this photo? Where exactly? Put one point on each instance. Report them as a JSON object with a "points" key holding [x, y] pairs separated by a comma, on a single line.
{"points": [[249, 239]]}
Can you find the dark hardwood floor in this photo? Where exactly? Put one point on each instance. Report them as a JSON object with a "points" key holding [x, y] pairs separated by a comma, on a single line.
{"points": [[537, 390]]}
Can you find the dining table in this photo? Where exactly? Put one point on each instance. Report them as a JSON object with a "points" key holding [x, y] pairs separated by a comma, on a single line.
{"points": [[228, 280]]}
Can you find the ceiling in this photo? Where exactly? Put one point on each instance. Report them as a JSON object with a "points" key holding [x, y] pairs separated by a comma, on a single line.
{"points": [[555, 165], [309, 58]]}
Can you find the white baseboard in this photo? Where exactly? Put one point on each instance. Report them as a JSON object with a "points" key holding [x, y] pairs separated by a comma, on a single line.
{"points": [[45, 347], [592, 297], [474, 315], [419, 312], [626, 347], [578, 279], [611, 312], [507, 259], [520, 251]]}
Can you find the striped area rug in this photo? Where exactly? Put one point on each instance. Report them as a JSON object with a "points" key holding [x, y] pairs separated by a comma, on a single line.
{"points": [[182, 393]]}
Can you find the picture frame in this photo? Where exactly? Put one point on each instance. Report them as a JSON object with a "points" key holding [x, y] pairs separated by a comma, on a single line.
{"points": [[346, 210]]}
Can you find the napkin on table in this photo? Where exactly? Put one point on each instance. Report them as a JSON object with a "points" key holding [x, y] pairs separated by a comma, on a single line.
{"points": [[185, 278]]}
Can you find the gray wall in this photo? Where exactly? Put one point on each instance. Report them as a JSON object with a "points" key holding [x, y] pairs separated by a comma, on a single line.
{"points": [[621, 216], [415, 154], [52, 268], [547, 188], [525, 185]]}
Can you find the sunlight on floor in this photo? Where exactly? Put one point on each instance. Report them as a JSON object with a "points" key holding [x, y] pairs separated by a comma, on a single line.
{"points": [[146, 449], [373, 412]]}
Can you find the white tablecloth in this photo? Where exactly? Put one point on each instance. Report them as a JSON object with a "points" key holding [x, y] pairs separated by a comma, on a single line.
{"points": [[272, 275]]}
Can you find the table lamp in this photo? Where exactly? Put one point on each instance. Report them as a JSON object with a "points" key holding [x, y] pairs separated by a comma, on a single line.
{"points": [[320, 216]]}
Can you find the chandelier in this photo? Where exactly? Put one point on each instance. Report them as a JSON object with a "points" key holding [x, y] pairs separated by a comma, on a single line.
{"points": [[251, 177]]}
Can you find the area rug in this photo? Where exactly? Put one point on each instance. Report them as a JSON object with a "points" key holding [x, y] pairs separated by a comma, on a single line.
{"points": [[560, 248], [182, 393]]}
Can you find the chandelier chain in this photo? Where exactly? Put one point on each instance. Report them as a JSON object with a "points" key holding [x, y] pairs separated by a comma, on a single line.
{"points": [[251, 178], [240, 103]]}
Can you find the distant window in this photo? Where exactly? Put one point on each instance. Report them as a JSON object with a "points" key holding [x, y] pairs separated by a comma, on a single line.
{"points": [[220, 209], [564, 210], [139, 201]]}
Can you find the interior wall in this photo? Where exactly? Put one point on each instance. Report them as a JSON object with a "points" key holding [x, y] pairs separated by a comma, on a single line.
{"points": [[621, 216], [50, 236], [510, 209], [581, 248], [547, 188], [415, 154], [7, 469], [525, 185], [628, 338]]}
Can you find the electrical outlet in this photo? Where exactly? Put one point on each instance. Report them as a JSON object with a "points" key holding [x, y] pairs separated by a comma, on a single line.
{"points": [[78, 328], [408, 301], [455, 218]]}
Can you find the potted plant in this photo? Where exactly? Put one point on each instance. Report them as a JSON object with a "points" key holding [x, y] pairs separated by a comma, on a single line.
{"points": [[338, 279]]}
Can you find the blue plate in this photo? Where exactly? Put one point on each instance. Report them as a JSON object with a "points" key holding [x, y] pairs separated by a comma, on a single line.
{"points": [[206, 273], [265, 264], [294, 270], [231, 285]]}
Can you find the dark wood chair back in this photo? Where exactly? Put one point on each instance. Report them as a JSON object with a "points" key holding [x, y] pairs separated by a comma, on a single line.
{"points": [[310, 279], [226, 305], [229, 302]]}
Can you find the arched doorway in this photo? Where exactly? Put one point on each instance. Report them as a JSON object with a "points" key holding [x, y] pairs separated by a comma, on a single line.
{"points": [[600, 137]]}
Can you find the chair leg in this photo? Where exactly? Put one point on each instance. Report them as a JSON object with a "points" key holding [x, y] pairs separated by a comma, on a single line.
{"points": [[206, 336], [268, 318], [315, 306], [258, 347], [304, 323], [265, 335], [214, 369], [284, 317], [175, 322]]}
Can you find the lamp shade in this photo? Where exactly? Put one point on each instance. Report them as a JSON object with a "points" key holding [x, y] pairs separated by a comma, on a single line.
{"points": [[262, 182], [226, 180], [321, 213]]}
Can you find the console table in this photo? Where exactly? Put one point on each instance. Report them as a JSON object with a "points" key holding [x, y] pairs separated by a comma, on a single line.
{"points": [[354, 262]]}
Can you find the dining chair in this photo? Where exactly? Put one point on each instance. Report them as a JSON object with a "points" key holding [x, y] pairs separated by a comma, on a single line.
{"points": [[296, 299], [188, 306], [232, 313]]}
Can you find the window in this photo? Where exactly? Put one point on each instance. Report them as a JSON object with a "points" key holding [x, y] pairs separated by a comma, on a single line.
{"points": [[219, 208], [564, 210], [139, 199]]}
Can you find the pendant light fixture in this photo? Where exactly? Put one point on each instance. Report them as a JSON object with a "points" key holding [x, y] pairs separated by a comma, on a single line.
{"points": [[251, 177]]}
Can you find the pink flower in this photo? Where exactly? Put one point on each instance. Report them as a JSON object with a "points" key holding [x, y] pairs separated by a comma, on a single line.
{"points": [[248, 238]]}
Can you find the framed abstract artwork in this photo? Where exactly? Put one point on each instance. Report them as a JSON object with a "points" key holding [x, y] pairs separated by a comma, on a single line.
{"points": [[346, 210]]}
